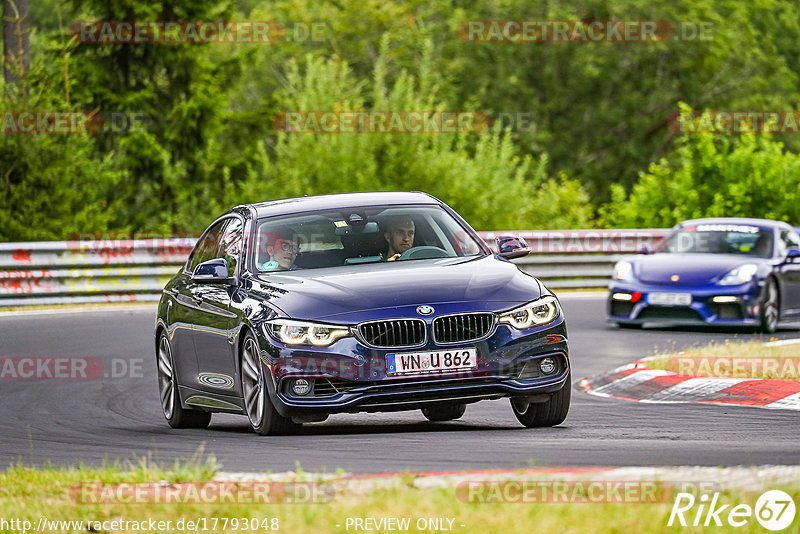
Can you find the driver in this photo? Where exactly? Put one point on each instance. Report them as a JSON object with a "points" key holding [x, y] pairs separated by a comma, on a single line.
{"points": [[400, 236], [282, 248]]}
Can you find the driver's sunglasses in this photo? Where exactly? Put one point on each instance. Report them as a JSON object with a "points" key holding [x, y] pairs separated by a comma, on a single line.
{"points": [[288, 246]]}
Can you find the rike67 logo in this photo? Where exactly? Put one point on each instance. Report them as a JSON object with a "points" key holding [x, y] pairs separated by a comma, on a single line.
{"points": [[774, 510]]}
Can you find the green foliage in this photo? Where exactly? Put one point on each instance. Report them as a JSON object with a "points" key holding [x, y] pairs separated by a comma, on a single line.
{"points": [[45, 196], [180, 161], [600, 109], [746, 176], [597, 114], [52, 185], [480, 175]]}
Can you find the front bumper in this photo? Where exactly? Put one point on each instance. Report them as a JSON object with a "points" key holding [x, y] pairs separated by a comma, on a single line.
{"points": [[349, 377], [739, 305]]}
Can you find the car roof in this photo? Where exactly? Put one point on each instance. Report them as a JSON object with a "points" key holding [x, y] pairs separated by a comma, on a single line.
{"points": [[766, 223], [342, 200]]}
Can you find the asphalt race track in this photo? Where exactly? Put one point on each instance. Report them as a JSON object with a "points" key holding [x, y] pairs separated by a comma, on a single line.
{"points": [[91, 421]]}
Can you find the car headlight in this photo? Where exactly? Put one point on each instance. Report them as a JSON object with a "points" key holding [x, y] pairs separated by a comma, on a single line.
{"points": [[294, 332], [740, 275], [623, 270], [541, 311]]}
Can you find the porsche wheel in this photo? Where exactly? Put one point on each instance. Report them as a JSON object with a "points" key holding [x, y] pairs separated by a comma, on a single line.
{"points": [[770, 312]]}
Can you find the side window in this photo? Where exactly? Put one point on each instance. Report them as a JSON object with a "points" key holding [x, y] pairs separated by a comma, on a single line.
{"points": [[230, 246], [206, 249], [788, 240]]}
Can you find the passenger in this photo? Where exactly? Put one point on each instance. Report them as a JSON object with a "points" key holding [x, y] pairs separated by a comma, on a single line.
{"points": [[400, 236], [282, 248]]}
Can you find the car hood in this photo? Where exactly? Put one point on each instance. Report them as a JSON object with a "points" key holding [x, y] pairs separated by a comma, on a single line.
{"points": [[350, 293], [691, 269]]}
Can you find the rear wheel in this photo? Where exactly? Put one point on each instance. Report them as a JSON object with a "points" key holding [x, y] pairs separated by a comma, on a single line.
{"points": [[770, 312], [446, 412], [550, 413], [264, 419], [176, 415]]}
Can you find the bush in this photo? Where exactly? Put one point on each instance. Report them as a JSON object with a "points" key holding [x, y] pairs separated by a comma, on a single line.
{"points": [[750, 175], [480, 174]]}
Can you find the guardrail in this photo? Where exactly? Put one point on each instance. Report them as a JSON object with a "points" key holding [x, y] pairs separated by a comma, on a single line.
{"points": [[136, 270]]}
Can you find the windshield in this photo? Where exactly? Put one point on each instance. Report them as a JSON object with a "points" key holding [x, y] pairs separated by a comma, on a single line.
{"points": [[359, 236], [721, 239]]}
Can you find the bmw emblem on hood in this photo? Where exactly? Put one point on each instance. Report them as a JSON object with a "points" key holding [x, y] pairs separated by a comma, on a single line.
{"points": [[424, 310]]}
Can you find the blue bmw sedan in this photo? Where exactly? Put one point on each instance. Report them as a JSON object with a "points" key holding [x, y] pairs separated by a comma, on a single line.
{"points": [[721, 271], [291, 310]]}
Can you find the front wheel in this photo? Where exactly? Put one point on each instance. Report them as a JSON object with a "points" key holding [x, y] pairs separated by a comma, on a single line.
{"points": [[176, 415], [770, 312], [550, 413], [264, 419]]}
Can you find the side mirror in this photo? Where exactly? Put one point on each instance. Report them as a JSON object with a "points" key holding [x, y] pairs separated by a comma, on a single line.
{"points": [[212, 271], [792, 254], [645, 249], [510, 247]]}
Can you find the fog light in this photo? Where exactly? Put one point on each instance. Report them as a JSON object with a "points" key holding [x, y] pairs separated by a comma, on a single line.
{"points": [[301, 387], [725, 299], [622, 296], [547, 365]]}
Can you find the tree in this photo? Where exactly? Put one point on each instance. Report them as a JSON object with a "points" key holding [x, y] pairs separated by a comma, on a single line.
{"points": [[750, 175], [16, 41], [479, 174]]}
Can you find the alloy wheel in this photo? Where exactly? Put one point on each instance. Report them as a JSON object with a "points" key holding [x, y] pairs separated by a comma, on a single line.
{"points": [[166, 377], [252, 382], [771, 307]]}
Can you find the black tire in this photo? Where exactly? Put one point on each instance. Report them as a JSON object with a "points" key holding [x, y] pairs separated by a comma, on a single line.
{"points": [[550, 413], [769, 307], [630, 326], [444, 412], [176, 415], [264, 418]]}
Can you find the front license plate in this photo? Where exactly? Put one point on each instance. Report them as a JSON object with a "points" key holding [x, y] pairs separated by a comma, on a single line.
{"points": [[670, 299], [425, 362]]}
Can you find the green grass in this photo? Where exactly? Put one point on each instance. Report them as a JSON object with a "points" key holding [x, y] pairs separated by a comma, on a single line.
{"points": [[29, 494], [735, 360]]}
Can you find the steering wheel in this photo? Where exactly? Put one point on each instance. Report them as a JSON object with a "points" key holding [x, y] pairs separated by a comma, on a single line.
{"points": [[423, 253]]}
